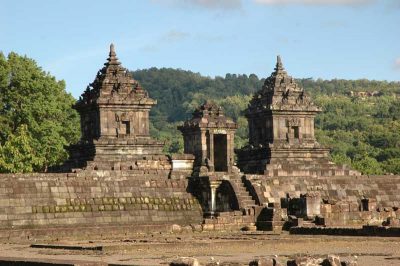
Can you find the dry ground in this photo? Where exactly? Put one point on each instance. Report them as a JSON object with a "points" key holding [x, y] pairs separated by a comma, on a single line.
{"points": [[160, 249]]}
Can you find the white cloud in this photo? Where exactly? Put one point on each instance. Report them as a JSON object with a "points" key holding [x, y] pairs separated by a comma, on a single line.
{"points": [[174, 35], [207, 4], [397, 63], [316, 2]]}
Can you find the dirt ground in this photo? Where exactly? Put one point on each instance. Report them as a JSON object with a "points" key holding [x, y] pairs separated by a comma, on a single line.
{"points": [[161, 249]]}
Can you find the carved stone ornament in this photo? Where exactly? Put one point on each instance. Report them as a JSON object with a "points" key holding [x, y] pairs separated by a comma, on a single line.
{"points": [[293, 122]]}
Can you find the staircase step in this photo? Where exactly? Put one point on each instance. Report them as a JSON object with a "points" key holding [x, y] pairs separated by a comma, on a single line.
{"points": [[308, 224], [248, 202], [246, 197], [225, 214], [270, 226]]}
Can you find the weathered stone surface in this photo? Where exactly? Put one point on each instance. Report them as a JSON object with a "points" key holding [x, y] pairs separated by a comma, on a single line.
{"points": [[52, 200], [333, 260], [341, 198], [264, 262], [176, 228], [185, 261]]}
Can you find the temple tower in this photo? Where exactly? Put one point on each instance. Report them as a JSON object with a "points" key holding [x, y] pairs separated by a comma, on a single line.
{"points": [[216, 181], [281, 113], [114, 106], [281, 131], [114, 111], [209, 135]]}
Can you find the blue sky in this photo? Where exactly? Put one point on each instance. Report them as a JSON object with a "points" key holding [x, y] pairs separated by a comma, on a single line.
{"points": [[348, 39]]}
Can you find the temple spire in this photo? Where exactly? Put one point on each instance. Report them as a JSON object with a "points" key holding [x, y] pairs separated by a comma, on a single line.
{"points": [[112, 56], [279, 65], [112, 50]]}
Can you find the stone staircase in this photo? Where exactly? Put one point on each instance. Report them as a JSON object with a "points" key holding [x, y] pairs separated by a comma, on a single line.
{"points": [[242, 219], [271, 219], [246, 202]]}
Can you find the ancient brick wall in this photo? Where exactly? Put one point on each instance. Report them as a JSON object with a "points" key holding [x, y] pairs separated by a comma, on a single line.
{"points": [[94, 198], [385, 189], [335, 201]]}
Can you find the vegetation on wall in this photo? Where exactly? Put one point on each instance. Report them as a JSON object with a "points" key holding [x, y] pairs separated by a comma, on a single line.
{"points": [[360, 121]]}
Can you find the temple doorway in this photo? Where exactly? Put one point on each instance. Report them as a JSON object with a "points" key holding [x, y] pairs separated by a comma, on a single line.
{"points": [[220, 153], [226, 200]]}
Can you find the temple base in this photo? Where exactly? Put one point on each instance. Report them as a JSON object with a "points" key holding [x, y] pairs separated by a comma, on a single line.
{"points": [[118, 154], [306, 162]]}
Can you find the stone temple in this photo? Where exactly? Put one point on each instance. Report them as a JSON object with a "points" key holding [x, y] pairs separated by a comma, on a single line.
{"points": [[281, 132], [114, 113], [118, 180]]}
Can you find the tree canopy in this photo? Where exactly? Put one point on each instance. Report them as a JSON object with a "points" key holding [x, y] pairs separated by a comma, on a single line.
{"points": [[36, 115]]}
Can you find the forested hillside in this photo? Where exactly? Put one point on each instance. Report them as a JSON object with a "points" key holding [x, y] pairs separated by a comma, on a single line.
{"points": [[360, 121]]}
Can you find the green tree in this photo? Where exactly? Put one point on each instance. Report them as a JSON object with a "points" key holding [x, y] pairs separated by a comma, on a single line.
{"points": [[18, 154], [32, 97], [368, 166], [392, 166], [341, 159]]}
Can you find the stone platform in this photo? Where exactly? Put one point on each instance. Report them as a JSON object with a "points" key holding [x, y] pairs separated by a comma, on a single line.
{"points": [[100, 198]]}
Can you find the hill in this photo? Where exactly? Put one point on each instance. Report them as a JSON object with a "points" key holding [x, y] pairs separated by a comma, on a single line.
{"points": [[360, 119]]}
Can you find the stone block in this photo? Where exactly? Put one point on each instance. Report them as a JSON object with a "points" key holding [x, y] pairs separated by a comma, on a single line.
{"points": [[335, 208], [309, 261], [185, 261], [354, 207], [208, 227], [392, 221], [334, 260], [366, 215], [344, 207], [298, 222]]}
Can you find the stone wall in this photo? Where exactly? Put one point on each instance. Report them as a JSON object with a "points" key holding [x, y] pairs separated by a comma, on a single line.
{"points": [[97, 198], [385, 189], [332, 201]]}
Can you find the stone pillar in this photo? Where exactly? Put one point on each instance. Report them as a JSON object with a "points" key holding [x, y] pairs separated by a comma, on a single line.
{"points": [[203, 146], [211, 148], [230, 153], [213, 200], [312, 128], [312, 204]]}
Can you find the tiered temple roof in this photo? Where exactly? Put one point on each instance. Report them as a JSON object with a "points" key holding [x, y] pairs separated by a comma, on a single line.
{"points": [[113, 84], [209, 115], [281, 92]]}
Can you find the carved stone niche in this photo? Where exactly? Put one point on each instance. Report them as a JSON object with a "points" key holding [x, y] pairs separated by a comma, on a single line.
{"points": [[124, 125], [293, 125]]}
